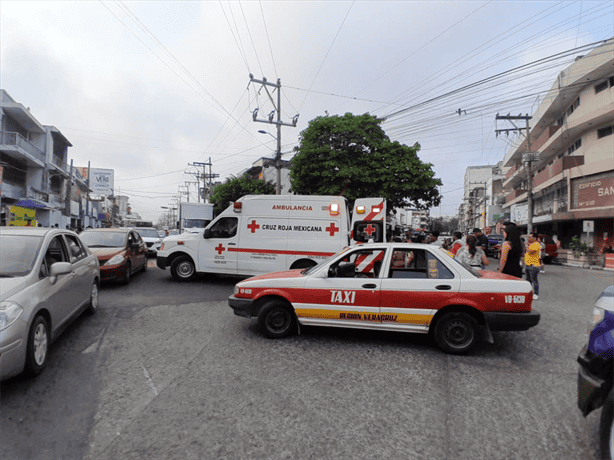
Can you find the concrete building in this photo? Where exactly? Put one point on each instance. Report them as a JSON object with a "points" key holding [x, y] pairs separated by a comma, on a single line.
{"points": [[572, 130], [264, 168], [482, 197], [35, 175]]}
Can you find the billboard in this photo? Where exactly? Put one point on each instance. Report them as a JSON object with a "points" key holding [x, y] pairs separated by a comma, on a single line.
{"points": [[101, 181], [22, 217]]}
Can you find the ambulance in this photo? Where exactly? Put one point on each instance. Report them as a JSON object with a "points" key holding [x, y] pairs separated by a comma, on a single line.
{"points": [[266, 233]]}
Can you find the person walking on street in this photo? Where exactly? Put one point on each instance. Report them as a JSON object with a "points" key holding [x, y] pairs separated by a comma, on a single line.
{"points": [[472, 255], [532, 264], [511, 251]]}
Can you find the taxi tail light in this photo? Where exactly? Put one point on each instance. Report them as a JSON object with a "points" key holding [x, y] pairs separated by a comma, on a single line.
{"points": [[237, 206]]}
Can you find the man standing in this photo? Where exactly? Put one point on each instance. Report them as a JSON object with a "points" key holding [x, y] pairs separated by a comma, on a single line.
{"points": [[532, 264], [482, 240]]}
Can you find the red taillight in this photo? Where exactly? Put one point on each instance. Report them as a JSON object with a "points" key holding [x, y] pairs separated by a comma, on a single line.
{"points": [[179, 243]]}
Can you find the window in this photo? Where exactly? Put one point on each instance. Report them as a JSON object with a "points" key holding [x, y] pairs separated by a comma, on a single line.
{"points": [[603, 132], [601, 87], [561, 121], [417, 264], [575, 146], [75, 249], [226, 227], [364, 263], [573, 106]]}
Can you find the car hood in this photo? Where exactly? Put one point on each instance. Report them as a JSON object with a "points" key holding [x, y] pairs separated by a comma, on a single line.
{"points": [[492, 275], [297, 273], [11, 286], [106, 252]]}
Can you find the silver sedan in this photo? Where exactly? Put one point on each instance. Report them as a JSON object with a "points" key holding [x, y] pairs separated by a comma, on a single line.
{"points": [[47, 278]]}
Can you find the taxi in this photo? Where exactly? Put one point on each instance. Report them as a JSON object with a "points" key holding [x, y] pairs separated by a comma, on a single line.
{"points": [[367, 287]]}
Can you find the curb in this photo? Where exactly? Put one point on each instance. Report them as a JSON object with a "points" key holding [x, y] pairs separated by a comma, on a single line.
{"points": [[586, 266]]}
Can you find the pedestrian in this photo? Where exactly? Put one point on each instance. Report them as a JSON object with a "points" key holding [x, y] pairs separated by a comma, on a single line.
{"points": [[457, 242], [511, 252], [471, 254], [532, 264], [542, 252], [482, 240]]}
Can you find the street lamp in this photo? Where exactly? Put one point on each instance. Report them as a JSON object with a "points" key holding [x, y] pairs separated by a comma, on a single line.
{"points": [[277, 156]]}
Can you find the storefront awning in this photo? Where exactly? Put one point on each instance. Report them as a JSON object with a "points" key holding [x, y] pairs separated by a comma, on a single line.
{"points": [[32, 204]]}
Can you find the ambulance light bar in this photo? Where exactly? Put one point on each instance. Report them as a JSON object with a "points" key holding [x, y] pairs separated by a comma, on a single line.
{"points": [[360, 209], [237, 206], [376, 209], [334, 209]]}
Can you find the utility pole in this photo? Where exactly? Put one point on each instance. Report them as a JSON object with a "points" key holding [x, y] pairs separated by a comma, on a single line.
{"points": [[527, 158], [209, 181], [278, 122], [199, 175]]}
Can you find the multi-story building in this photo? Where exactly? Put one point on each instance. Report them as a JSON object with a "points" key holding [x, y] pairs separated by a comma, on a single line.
{"points": [[35, 177], [264, 169], [482, 197], [572, 132]]}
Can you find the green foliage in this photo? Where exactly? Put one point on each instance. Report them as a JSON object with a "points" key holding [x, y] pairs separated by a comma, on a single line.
{"points": [[578, 247], [233, 189], [351, 155]]}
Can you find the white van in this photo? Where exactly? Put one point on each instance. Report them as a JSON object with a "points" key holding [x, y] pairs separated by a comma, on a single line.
{"points": [[266, 233]]}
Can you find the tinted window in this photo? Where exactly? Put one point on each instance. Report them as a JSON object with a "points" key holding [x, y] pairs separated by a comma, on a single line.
{"points": [[74, 248], [226, 227]]}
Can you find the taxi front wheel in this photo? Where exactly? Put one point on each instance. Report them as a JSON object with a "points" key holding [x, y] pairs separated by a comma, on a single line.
{"points": [[456, 332], [276, 319]]}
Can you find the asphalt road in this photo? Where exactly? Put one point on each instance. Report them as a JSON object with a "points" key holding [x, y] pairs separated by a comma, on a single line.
{"points": [[166, 371]]}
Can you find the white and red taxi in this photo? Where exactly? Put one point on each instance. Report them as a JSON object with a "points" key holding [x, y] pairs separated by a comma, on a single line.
{"points": [[391, 287]]}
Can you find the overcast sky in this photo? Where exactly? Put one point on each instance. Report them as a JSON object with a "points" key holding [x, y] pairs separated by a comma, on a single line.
{"points": [[145, 88]]}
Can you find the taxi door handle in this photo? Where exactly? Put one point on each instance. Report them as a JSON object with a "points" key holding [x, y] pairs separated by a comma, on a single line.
{"points": [[369, 286], [443, 287]]}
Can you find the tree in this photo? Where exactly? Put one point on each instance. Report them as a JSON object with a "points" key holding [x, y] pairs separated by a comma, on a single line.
{"points": [[351, 155], [236, 187]]}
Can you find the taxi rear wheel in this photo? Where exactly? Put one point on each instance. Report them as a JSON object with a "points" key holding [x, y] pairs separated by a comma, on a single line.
{"points": [[456, 332], [606, 430], [276, 319]]}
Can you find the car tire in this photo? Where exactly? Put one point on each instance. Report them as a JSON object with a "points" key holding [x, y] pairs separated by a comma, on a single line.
{"points": [[456, 333], [93, 305], [38, 346], [183, 268], [127, 274], [276, 319], [606, 430]]}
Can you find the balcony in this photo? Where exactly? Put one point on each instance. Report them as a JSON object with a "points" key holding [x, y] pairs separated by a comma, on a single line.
{"points": [[60, 164], [514, 194], [21, 145]]}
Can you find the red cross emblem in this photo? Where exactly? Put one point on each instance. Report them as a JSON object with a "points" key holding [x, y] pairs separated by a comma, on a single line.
{"points": [[369, 230], [220, 249], [332, 229], [253, 226]]}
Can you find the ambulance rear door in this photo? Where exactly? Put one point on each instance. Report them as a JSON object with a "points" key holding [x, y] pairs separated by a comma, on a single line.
{"points": [[369, 220]]}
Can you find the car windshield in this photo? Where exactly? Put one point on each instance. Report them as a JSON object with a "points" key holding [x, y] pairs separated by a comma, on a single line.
{"points": [[103, 239], [148, 232], [18, 254]]}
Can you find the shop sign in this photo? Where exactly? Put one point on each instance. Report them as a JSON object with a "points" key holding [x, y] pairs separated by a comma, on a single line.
{"points": [[101, 181], [22, 217], [593, 192]]}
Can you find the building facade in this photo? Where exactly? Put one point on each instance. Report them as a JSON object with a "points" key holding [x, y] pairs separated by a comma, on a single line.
{"points": [[572, 133], [36, 185]]}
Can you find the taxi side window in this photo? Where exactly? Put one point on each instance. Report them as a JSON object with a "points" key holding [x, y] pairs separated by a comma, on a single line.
{"points": [[226, 227], [414, 264], [75, 249], [436, 269], [359, 264]]}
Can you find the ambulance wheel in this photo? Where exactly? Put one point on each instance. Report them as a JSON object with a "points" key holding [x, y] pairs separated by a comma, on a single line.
{"points": [[276, 319], [183, 268], [606, 431], [456, 333]]}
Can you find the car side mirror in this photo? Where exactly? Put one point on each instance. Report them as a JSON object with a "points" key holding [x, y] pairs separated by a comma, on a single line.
{"points": [[207, 233], [57, 269]]}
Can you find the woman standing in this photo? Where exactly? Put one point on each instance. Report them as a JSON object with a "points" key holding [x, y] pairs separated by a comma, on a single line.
{"points": [[511, 252], [471, 255]]}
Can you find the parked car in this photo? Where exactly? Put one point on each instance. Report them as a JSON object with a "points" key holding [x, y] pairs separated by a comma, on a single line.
{"points": [[494, 241], [151, 238], [365, 287], [120, 251], [48, 277], [596, 371]]}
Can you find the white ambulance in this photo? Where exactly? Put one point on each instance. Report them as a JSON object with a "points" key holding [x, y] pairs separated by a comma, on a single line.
{"points": [[266, 233]]}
